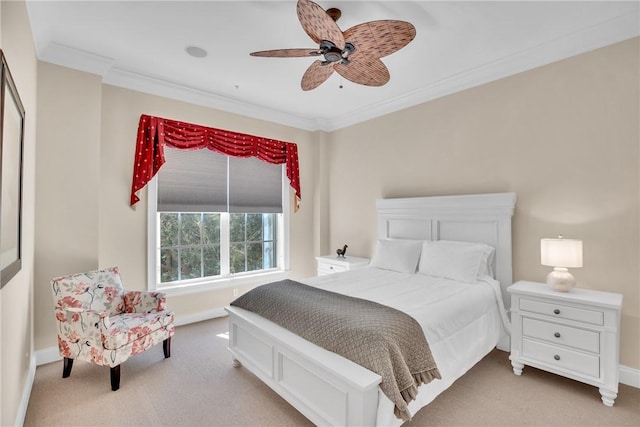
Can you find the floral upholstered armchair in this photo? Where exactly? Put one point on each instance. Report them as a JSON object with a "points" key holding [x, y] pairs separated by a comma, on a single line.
{"points": [[101, 322]]}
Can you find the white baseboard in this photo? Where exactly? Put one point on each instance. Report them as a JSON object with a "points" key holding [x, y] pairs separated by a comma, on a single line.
{"points": [[629, 376], [26, 392], [199, 317], [47, 355]]}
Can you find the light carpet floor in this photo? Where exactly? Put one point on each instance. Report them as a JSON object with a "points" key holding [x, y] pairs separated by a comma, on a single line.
{"points": [[198, 386]]}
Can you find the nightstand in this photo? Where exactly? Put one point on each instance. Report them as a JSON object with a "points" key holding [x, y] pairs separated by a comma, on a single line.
{"points": [[575, 334], [332, 264]]}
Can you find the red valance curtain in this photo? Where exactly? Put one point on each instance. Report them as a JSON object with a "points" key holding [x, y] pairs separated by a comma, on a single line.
{"points": [[155, 132]]}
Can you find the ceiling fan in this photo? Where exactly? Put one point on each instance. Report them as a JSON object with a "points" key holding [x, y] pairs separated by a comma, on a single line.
{"points": [[355, 53]]}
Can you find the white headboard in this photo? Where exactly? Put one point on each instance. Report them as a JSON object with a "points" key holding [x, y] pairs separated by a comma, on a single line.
{"points": [[482, 218]]}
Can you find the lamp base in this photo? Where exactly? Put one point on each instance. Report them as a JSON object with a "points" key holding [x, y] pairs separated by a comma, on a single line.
{"points": [[561, 280]]}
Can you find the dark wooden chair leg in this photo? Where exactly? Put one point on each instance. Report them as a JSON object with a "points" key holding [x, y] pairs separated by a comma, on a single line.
{"points": [[166, 347], [115, 378], [66, 368]]}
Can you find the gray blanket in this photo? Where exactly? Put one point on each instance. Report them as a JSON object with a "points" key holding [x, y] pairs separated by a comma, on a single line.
{"points": [[380, 338]]}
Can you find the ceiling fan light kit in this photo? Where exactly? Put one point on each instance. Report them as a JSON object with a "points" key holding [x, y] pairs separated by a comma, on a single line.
{"points": [[354, 54]]}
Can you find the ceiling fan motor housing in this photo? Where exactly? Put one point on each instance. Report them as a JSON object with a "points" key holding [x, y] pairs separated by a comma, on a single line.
{"points": [[333, 54]]}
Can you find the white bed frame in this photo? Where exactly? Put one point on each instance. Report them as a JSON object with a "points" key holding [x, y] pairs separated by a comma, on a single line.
{"points": [[327, 388]]}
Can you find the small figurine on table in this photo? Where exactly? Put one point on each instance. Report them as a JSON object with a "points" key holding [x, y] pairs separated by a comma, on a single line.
{"points": [[342, 252]]}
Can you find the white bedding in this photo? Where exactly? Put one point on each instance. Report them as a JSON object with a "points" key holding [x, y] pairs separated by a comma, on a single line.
{"points": [[461, 321]]}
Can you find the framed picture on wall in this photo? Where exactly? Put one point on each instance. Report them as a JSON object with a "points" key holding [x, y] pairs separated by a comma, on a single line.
{"points": [[11, 152]]}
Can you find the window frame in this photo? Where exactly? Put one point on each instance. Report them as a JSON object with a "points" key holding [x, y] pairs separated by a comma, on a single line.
{"points": [[219, 282]]}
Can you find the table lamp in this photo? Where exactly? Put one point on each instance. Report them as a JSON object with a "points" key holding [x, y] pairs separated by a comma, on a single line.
{"points": [[561, 254]]}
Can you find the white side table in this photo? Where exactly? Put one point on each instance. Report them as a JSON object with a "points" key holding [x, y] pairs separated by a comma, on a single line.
{"points": [[575, 334], [330, 264]]}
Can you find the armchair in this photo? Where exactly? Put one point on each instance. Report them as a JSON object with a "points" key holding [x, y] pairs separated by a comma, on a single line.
{"points": [[101, 322]]}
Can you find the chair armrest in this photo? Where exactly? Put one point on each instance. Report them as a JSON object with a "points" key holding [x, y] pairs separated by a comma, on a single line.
{"points": [[144, 301]]}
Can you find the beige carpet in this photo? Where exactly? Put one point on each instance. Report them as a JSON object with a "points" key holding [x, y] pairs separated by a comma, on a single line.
{"points": [[198, 386]]}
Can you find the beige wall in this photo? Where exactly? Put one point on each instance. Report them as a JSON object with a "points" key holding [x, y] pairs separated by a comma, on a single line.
{"points": [[88, 134], [16, 297], [68, 175], [564, 137]]}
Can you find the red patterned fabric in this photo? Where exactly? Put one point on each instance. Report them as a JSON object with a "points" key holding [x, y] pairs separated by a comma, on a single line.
{"points": [[155, 132]]}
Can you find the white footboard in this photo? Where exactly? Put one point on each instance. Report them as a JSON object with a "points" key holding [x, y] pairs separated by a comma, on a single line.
{"points": [[325, 387]]}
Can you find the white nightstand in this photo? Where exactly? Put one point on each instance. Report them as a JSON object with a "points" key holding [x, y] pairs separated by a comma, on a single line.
{"points": [[575, 334], [332, 264]]}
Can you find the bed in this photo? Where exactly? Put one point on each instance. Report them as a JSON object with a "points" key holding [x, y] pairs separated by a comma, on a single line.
{"points": [[464, 320]]}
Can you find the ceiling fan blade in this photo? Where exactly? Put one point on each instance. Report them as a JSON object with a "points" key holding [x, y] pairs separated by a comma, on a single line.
{"points": [[368, 72], [315, 75], [377, 39], [285, 53], [318, 24]]}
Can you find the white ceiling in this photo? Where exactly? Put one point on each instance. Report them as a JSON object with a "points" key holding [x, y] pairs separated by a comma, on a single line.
{"points": [[141, 45]]}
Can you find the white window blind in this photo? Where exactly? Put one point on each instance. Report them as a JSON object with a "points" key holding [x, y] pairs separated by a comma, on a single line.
{"points": [[255, 186], [205, 181]]}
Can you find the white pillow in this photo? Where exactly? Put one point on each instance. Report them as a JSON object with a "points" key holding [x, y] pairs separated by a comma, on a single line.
{"points": [[397, 255], [461, 261]]}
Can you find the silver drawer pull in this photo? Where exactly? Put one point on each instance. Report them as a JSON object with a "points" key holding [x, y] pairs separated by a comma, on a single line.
{"points": [[331, 268], [556, 311], [556, 357], [557, 335]]}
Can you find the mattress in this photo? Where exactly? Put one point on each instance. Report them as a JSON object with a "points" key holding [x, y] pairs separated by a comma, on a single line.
{"points": [[461, 321]]}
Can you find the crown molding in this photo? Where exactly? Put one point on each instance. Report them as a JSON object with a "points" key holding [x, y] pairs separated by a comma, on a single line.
{"points": [[156, 86], [77, 59], [603, 34]]}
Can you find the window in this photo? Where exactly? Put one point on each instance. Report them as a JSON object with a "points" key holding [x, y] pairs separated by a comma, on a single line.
{"points": [[215, 219], [189, 245], [253, 243]]}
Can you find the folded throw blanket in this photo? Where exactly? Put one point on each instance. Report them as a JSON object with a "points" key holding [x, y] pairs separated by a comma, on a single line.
{"points": [[380, 338]]}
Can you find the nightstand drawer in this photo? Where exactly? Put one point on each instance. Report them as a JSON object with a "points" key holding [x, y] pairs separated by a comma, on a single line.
{"points": [[563, 311], [330, 269], [571, 360], [560, 334], [332, 264]]}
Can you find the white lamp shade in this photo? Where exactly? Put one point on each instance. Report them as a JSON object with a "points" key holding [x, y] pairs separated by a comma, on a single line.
{"points": [[561, 252]]}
